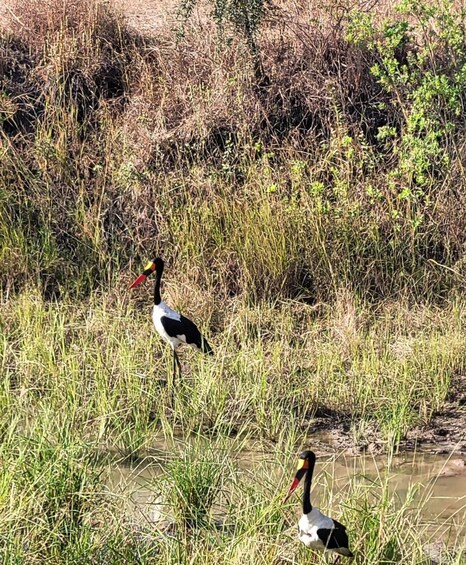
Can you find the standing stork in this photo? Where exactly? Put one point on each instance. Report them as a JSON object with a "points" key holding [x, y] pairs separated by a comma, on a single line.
{"points": [[316, 530], [173, 327]]}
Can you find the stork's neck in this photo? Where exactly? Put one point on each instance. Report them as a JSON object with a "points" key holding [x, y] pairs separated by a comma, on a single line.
{"points": [[307, 506], [157, 298]]}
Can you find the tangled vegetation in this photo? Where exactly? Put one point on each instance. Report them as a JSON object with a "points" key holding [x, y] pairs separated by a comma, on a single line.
{"points": [[341, 170]]}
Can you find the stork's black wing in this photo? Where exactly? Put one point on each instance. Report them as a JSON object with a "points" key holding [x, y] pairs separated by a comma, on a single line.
{"points": [[335, 538], [184, 326]]}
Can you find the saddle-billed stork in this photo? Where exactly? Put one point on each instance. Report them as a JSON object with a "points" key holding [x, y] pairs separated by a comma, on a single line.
{"points": [[173, 327], [316, 530]]}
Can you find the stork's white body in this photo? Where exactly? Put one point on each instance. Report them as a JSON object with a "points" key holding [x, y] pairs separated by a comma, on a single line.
{"points": [[308, 526], [310, 523], [163, 310], [183, 331]]}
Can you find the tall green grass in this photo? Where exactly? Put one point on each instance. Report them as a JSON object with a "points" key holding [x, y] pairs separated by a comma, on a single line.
{"points": [[274, 368], [80, 379], [57, 506]]}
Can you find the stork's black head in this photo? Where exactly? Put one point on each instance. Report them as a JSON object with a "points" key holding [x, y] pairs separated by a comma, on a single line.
{"points": [[154, 265], [307, 456], [306, 461]]}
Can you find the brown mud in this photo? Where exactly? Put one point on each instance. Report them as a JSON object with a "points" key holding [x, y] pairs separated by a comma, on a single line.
{"points": [[445, 433]]}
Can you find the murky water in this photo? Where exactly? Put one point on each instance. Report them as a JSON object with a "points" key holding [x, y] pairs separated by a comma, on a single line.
{"points": [[440, 483]]}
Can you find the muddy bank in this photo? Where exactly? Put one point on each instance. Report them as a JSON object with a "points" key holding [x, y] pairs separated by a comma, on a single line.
{"points": [[444, 434]]}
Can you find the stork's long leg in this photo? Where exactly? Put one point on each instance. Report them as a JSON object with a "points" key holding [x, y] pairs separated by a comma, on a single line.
{"points": [[336, 560], [176, 364], [174, 368], [177, 361]]}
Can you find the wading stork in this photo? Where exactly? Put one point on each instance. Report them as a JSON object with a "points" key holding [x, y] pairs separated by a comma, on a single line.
{"points": [[316, 530], [173, 327]]}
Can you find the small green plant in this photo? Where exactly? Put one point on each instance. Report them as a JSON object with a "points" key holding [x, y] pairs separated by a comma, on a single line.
{"points": [[192, 482], [425, 79], [244, 17]]}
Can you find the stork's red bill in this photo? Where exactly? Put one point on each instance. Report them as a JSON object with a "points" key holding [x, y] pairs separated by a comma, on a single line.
{"points": [[148, 269]]}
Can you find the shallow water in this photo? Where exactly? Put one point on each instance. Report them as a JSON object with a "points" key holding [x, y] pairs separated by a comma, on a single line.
{"points": [[440, 482]]}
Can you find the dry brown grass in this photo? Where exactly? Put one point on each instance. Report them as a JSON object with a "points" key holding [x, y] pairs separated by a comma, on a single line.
{"points": [[120, 145]]}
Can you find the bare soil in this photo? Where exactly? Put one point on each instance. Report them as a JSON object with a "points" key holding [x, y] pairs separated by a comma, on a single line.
{"points": [[148, 15], [445, 433]]}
